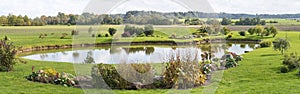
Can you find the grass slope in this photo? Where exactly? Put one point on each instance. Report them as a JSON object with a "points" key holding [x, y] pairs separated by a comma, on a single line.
{"points": [[258, 73]]}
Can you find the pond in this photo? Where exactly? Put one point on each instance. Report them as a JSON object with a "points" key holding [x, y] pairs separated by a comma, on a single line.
{"points": [[137, 54]]}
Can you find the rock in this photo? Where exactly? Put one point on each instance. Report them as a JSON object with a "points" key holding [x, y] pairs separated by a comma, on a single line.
{"points": [[158, 78], [222, 68], [84, 81], [136, 86], [208, 76], [214, 67]]}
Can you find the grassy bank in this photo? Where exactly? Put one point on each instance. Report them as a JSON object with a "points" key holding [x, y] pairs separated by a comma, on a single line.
{"points": [[258, 73]]}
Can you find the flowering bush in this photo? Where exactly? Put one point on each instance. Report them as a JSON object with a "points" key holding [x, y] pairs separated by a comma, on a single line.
{"points": [[230, 63], [50, 75], [206, 69]]}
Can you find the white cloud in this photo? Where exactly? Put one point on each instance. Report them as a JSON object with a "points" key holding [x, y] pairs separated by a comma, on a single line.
{"points": [[147, 5], [257, 6], [34, 8]]}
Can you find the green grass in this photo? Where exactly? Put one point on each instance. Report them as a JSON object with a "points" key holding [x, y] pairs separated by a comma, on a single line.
{"points": [[283, 22], [258, 73], [29, 36]]}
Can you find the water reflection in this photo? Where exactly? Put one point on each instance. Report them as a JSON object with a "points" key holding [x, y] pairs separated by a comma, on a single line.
{"points": [[139, 54]]}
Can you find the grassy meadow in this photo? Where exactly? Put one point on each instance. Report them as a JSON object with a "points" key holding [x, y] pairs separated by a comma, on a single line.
{"points": [[258, 73], [29, 36]]}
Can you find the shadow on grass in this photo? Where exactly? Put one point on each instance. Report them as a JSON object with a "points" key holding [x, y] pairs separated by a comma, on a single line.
{"points": [[270, 55], [276, 70], [258, 37]]}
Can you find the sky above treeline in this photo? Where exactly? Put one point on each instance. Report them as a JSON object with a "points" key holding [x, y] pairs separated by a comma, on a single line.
{"points": [[36, 8]]}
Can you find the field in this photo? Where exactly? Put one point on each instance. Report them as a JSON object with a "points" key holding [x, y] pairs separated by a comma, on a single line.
{"points": [[29, 36], [258, 73]]}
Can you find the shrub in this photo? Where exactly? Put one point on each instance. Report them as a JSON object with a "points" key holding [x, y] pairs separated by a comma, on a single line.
{"points": [[238, 58], [251, 31], [99, 35], [63, 35], [126, 34], [284, 69], [183, 73], [74, 32], [206, 69], [281, 45], [225, 30], [41, 36], [112, 31], [93, 35], [229, 36], [149, 30], [106, 35], [51, 76], [229, 63], [8, 57], [292, 61], [242, 33], [274, 31], [114, 80], [142, 35], [173, 36], [264, 44], [133, 30], [6, 38]]}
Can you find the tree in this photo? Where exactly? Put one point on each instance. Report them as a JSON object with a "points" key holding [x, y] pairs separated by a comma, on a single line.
{"points": [[251, 31], [273, 31], [205, 29], [226, 21], [72, 19], [281, 45], [20, 21], [267, 31], [118, 20], [149, 30], [129, 29], [242, 33], [248, 21], [259, 30], [62, 18], [108, 20], [187, 21], [8, 57], [225, 30], [27, 21], [12, 19], [112, 31], [139, 31], [3, 20]]}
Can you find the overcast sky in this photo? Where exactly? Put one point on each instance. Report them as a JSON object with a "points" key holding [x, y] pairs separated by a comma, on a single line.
{"points": [[35, 8]]}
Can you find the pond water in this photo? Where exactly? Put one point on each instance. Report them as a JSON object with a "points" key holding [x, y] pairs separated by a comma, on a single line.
{"points": [[137, 54]]}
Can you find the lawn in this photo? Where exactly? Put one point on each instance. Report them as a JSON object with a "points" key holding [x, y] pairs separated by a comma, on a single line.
{"points": [[258, 72], [29, 36]]}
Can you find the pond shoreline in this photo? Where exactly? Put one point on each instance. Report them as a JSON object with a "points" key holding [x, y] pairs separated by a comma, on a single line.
{"points": [[171, 43]]}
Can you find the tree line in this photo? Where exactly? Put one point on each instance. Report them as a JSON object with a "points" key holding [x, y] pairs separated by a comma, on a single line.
{"points": [[134, 17]]}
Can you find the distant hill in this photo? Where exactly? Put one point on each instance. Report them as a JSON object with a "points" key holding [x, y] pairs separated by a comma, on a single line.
{"points": [[192, 14]]}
